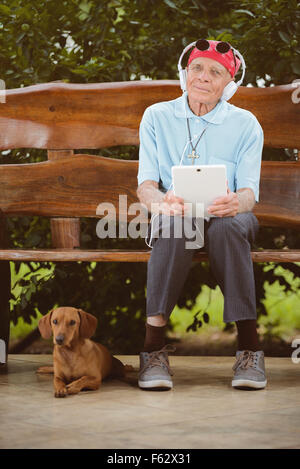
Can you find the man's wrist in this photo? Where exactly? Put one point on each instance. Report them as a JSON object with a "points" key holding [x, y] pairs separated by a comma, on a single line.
{"points": [[246, 200]]}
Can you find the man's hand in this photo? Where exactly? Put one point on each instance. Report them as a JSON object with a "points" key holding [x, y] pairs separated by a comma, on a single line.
{"points": [[160, 202], [171, 205], [227, 206]]}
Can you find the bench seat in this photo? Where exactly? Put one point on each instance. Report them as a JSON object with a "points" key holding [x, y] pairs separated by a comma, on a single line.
{"points": [[122, 255]]}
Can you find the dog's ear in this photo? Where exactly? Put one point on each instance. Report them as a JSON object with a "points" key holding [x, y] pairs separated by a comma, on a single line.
{"points": [[88, 324], [45, 325]]}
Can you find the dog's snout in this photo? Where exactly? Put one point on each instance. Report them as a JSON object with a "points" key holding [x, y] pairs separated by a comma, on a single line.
{"points": [[59, 339]]}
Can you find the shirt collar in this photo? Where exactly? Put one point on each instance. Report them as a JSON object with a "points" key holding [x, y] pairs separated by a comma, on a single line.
{"points": [[215, 116]]}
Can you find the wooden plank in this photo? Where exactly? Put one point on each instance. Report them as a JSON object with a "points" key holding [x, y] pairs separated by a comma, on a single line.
{"points": [[69, 187], [117, 255], [73, 116], [276, 112], [279, 194], [54, 155], [74, 186], [97, 115]]}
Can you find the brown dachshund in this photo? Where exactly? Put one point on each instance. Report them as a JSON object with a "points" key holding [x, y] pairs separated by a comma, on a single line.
{"points": [[79, 363]]}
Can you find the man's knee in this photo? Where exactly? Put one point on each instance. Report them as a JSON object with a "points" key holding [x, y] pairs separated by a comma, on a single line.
{"points": [[244, 224], [220, 226], [248, 224]]}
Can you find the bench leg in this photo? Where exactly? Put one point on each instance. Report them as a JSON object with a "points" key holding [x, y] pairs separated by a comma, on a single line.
{"points": [[5, 285]]}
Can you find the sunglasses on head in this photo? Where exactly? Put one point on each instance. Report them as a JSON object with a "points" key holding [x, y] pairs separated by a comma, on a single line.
{"points": [[221, 47]]}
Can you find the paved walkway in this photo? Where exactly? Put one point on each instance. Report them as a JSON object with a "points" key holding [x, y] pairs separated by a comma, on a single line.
{"points": [[202, 411]]}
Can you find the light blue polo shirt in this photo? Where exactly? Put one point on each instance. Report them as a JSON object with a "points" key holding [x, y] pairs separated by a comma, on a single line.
{"points": [[233, 137]]}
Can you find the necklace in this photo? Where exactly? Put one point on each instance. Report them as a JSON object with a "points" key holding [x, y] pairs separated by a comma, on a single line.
{"points": [[193, 155]]}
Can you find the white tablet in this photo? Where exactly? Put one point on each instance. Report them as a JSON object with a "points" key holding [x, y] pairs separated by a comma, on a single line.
{"points": [[199, 184]]}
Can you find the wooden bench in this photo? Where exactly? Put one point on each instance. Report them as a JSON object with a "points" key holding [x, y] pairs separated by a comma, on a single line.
{"points": [[62, 117]]}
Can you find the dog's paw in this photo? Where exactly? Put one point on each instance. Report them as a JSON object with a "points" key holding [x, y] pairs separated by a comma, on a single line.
{"points": [[72, 389], [61, 392]]}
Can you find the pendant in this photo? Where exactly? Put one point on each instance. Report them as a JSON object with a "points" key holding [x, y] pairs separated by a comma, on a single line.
{"points": [[193, 155]]}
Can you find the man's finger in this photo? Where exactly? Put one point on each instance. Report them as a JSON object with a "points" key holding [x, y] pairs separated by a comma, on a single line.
{"points": [[219, 208], [223, 213], [174, 198], [222, 200]]}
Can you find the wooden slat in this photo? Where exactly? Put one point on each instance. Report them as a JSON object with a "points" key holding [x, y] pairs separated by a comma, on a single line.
{"points": [[279, 194], [54, 155], [118, 255], [74, 186], [276, 112], [74, 116], [69, 187]]}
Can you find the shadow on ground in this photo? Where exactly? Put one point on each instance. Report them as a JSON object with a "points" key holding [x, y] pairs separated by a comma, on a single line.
{"points": [[219, 343]]}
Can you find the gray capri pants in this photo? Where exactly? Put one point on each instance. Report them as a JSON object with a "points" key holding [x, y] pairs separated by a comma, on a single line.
{"points": [[227, 241]]}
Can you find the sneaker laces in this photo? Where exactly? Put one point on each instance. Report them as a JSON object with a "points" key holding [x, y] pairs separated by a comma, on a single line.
{"points": [[156, 359], [245, 360]]}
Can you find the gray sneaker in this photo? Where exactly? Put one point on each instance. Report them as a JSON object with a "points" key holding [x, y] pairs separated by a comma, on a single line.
{"points": [[155, 372], [249, 370]]}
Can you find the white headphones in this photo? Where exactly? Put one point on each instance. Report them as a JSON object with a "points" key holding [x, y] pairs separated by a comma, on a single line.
{"points": [[229, 89]]}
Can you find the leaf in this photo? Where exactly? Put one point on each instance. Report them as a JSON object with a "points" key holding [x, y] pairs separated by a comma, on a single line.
{"points": [[28, 294], [20, 37], [4, 9], [206, 318], [83, 16], [23, 302], [247, 12], [171, 4], [85, 7], [284, 36]]}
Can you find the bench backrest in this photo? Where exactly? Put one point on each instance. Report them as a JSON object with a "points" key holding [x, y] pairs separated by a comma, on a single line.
{"points": [[63, 117]]}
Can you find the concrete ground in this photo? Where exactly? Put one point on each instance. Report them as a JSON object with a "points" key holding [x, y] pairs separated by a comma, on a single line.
{"points": [[202, 410]]}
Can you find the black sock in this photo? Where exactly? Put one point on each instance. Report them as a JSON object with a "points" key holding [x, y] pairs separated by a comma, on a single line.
{"points": [[247, 335], [155, 338]]}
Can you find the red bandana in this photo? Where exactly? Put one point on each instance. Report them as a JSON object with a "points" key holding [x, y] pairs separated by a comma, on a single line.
{"points": [[226, 60]]}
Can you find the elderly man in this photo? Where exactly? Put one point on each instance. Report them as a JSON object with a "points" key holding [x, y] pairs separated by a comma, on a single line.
{"points": [[232, 136]]}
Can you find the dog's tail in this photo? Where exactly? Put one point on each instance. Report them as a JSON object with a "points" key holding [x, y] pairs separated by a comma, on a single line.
{"points": [[119, 369]]}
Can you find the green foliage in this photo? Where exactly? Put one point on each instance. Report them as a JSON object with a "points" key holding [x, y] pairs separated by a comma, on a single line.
{"points": [[80, 41], [268, 32], [115, 40], [113, 293]]}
